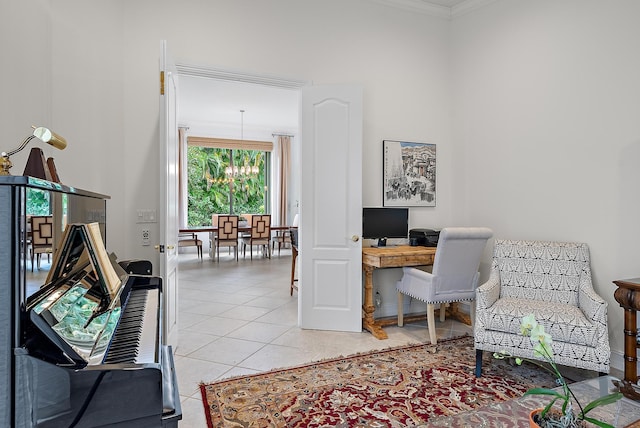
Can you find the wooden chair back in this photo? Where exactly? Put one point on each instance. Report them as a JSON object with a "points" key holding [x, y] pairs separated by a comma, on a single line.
{"points": [[42, 232], [260, 227], [227, 227]]}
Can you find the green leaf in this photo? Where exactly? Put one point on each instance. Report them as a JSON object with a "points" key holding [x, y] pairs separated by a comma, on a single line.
{"points": [[598, 423], [544, 391], [602, 401]]}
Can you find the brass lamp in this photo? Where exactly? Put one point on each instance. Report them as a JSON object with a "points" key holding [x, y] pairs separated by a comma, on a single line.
{"points": [[43, 134]]}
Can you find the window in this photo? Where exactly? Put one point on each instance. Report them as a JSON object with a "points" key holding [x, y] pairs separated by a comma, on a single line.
{"points": [[38, 202], [226, 176]]}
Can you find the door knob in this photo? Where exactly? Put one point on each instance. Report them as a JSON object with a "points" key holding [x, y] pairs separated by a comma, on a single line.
{"points": [[355, 238]]}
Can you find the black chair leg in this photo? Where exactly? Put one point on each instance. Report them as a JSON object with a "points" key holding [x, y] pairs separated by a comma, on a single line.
{"points": [[478, 362]]}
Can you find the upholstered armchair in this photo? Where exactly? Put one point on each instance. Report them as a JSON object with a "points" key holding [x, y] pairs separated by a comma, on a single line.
{"points": [[454, 277], [552, 281]]}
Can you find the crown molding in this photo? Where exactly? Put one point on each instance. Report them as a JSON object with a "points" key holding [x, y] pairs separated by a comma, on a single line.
{"points": [[468, 6], [240, 76], [420, 6], [428, 8]]}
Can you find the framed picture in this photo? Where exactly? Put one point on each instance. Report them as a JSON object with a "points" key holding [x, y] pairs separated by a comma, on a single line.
{"points": [[409, 174]]}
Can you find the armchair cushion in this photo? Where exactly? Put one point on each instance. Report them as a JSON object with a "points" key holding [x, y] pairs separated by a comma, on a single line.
{"points": [[565, 323]]}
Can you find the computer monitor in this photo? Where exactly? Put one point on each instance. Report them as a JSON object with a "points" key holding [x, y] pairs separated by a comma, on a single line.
{"points": [[383, 223]]}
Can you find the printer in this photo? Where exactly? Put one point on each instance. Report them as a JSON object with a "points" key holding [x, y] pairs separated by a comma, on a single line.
{"points": [[424, 237]]}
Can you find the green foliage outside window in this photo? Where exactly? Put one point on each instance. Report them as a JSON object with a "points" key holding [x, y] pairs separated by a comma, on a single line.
{"points": [[38, 202], [209, 188]]}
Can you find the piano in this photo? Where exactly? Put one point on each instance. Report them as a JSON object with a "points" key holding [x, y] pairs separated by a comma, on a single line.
{"points": [[92, 352]]}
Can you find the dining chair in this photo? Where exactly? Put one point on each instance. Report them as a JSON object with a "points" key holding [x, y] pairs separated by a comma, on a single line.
{"points": [[245, 223], [454, 277], [260, 235], [190, 239], [41, 238], [227, 235], [293, 233], [283, 237]]}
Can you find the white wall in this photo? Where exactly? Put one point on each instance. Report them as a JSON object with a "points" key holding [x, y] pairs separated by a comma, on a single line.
{"points": [[25, 84], [400, 58], [100, 63], [546, 130]]}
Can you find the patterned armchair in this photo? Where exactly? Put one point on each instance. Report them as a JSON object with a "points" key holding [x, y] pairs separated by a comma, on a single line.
{"points": [[552, 281]]}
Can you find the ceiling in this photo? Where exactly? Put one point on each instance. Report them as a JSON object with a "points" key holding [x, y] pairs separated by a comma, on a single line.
{"points": [[211, 108]]}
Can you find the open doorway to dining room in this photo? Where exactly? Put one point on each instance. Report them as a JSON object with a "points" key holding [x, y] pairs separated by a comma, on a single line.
{"points": [[230, 121]]}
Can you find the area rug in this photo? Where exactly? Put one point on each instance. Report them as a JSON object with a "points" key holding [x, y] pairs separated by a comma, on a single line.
{"points": [[397, 387]]}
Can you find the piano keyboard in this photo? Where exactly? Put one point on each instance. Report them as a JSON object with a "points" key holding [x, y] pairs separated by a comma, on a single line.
{"points": [[136, 337]]}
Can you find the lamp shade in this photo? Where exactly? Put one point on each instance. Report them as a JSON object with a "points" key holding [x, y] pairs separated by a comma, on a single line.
{"points": [[50, 137]]}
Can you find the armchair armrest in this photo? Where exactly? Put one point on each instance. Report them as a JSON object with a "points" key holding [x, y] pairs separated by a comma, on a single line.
{"points": [[592, 305], [489, 292]]}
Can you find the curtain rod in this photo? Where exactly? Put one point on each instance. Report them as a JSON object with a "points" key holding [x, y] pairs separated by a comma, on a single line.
{"points": [[278, 134]]}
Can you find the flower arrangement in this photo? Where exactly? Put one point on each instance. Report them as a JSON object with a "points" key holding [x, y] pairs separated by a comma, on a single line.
{"points": [[567, 417]]}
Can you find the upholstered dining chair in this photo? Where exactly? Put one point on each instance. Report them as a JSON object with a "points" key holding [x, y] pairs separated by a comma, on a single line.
{"points": [[190, 239], [227, 235], [283, 237], [293, 233], [454, 276], [260, 235], [552, 281], [247, 219], [41, 238]]}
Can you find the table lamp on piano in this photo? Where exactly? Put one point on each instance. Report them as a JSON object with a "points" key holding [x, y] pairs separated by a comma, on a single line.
{"points": [[36, 166]]}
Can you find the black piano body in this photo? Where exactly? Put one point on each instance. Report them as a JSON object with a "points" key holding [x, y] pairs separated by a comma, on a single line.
{"points": [[92, 352]]}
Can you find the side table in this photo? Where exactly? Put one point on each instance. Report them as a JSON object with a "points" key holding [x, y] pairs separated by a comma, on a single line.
{"points": [[628, 295]]}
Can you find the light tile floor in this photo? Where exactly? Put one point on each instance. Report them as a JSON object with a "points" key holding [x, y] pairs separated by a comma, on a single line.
{"points": [[238, 318]]}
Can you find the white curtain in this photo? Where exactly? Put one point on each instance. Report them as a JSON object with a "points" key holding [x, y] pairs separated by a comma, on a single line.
{"points": [[281, 182], [182, 176]]}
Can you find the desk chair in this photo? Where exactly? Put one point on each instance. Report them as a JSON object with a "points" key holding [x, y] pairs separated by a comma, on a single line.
{"points": [[227, 235], [260, 235], [454, 277], [190, 239], [41, 238]]}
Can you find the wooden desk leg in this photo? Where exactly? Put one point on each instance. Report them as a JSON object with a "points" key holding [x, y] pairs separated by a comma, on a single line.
{"points": [[369, 323], [458, 314], [630, 346]]}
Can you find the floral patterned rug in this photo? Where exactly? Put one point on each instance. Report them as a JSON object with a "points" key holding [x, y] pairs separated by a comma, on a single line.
{"points": [[397, 387]]}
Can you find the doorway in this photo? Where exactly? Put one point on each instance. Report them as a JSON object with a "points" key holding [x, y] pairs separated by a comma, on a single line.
{"points": [[209, 105]]}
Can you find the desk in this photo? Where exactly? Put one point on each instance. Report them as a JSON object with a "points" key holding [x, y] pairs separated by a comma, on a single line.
{"points": [[387, 257]]}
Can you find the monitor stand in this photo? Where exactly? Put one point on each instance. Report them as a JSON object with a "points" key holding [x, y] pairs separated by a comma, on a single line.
{"points": [[382, 242]]}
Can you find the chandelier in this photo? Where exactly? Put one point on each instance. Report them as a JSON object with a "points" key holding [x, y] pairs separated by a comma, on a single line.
{"points": [[245, 170]]}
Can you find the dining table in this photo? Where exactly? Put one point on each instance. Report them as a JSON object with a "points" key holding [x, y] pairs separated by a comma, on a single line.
{"points": [[215, 228]]}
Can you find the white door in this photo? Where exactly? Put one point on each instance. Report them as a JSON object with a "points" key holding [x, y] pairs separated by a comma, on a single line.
{"points": [[330, 295], [168, 215]]}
